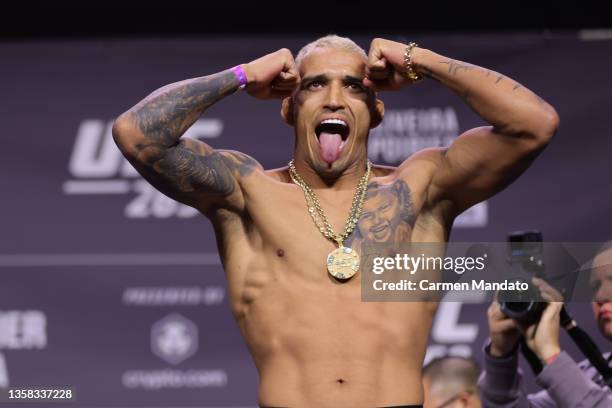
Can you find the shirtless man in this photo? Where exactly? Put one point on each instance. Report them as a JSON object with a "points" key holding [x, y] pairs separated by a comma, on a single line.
{"points": [[315, 344]]}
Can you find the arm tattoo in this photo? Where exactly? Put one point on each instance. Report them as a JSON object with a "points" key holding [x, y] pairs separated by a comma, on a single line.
{"points": [[191, 168], [178, 166], [240, 164], [188, 170], [454, 66], [166, 114]]}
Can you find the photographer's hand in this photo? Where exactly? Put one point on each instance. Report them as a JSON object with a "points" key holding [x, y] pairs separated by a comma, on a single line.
{"points": [[543, 336], [504, 331]]}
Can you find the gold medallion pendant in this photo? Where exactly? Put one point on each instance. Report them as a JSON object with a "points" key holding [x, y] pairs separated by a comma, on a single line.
{"points": [[343, 263]]}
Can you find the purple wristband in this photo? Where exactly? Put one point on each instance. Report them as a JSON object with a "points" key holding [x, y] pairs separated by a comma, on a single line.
{"points": [[240, 75]]}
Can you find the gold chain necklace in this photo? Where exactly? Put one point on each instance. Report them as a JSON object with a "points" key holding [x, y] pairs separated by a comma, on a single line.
{"points": [[342, 262]]}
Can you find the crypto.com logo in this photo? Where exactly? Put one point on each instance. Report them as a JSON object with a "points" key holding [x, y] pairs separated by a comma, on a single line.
{"points": [[174, 338], [20, 330], [97, 167]]}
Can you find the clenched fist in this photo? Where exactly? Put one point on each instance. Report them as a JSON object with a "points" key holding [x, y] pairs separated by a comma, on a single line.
{"points": [[385, 70], [272, 76]]}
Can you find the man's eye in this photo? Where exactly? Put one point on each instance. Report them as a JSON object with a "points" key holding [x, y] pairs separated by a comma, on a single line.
{"points": [[315, 84], [356, 87]]}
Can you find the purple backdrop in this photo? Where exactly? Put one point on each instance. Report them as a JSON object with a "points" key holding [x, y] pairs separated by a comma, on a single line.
{"points": [[112, 288]]}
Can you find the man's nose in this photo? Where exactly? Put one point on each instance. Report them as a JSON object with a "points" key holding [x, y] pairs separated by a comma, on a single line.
{"points": [[335, 97]]}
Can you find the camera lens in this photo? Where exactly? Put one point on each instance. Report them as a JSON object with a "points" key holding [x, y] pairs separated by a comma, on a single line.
{"points": [[523, 305]]}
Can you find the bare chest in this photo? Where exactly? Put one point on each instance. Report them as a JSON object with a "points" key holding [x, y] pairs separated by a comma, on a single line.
{"points": [[283, 220]]}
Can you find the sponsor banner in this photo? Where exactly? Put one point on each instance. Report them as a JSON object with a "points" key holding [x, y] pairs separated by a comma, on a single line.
{"points": [[130, 335]]}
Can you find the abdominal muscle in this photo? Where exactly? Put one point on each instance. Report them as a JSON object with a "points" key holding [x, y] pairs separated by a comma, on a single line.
{"points": [[315, 343]]}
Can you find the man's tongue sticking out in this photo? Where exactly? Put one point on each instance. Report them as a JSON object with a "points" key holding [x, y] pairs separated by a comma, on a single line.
{"points": [[330, 145]]}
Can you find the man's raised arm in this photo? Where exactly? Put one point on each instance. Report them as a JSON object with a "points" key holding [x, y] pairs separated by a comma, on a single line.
{"points": [[190, 171], [483, 160]]}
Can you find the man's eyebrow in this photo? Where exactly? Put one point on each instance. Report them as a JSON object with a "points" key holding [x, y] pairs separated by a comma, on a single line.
{"points": [[320, 77], [350, 78], [323, 77]]}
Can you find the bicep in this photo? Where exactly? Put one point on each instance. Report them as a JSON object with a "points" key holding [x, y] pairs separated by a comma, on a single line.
{"points": [[193, 172], [480, 163]]}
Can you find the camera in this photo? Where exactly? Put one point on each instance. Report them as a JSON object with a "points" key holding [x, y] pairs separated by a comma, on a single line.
{"points": [[526, 251]]}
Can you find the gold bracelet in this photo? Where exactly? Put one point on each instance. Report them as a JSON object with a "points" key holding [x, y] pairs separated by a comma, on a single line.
{"points": [[410, 73]]}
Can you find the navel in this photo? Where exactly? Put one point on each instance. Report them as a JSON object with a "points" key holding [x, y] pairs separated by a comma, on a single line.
{"points": [[280, 253]]}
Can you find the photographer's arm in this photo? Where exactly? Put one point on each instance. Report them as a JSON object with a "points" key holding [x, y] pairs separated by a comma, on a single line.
{"points": [[500, 381], [566, 384]]}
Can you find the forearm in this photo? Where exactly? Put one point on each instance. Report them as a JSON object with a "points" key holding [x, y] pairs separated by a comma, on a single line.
{"points": [[164, 115], [508, 106], [568, 386], [500, 381]]}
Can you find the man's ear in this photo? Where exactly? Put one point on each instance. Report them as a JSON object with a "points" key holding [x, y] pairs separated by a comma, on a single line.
{"points": [[377, 113], [287, 111]]}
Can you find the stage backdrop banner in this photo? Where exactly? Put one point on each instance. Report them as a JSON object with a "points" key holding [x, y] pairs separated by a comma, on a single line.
{"points": [[112, 289]]}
